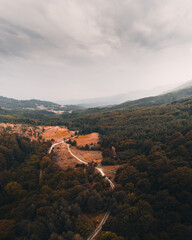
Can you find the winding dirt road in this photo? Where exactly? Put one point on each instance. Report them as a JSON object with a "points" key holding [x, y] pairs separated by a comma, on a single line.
{"points": [[103, 221]]}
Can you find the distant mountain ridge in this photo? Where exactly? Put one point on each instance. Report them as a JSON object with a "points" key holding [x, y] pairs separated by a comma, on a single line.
{"points": [[114, 99], [11, 103], [181, 92], [33, 104], [158, 100], [183, 86], [148, 101], [187, 84], [124, 97]]}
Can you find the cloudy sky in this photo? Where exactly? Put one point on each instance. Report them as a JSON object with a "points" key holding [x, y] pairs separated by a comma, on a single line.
{"points": [[62, 49]]}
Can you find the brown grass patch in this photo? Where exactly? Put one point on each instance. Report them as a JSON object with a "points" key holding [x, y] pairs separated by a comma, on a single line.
{"points": [[90, 139], [87, 156], [63, 158], [57, 133], [47, 132]]}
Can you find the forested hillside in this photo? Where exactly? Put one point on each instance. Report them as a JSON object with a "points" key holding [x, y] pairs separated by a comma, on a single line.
{"points": [[148, 101], [11, 103], [153, 194], [33, 104], [38, 200], [157, 100]]}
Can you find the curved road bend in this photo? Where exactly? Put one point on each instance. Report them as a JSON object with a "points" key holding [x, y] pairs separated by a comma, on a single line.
{"points": [[103, 221]]}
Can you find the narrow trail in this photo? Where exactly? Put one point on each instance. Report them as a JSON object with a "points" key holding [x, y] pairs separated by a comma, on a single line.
{"points": [[107, 214]]}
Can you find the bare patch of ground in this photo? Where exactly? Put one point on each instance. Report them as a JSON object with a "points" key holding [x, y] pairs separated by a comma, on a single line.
{"points": [[63, 157], [23, 129], [57, 133], [87, 156], [91, 139], [96, 156]]}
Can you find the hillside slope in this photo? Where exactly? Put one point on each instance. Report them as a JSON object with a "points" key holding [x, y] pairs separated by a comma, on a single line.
{"points": [[33, 104], [153, 195], [147, 102], [158, 100]]}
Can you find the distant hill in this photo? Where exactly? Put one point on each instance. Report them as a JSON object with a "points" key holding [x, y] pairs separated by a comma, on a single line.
{"points": [[33, 104], [180, 87], [185, 85], [148, 101], [115, 99], [124, 97], [158, 100]]}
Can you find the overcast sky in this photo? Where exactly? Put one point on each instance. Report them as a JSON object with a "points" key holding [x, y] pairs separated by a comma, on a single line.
{"points": [[61, 49]]}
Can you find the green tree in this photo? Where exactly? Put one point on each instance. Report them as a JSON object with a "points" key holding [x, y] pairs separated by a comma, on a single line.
{"points": [[108, 236], [84, 225]]}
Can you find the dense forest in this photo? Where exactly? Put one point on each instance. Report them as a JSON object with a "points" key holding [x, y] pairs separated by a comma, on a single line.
{"points": [[152, 199], [38, 200], [153, 194]]}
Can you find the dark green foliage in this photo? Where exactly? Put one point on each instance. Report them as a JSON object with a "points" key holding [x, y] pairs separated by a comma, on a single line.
{"points": [[158, 100], [38, 200], [153, 194], [153, 197]]}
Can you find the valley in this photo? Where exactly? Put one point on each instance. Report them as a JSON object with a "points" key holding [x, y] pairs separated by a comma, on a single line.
{"points": [[95, 120], [110, 173], [66, 156], [56, 134], [86, 161]]}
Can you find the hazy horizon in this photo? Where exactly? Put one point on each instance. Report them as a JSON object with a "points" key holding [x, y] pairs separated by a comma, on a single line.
{"points": [[135, 94], [60, 50]]}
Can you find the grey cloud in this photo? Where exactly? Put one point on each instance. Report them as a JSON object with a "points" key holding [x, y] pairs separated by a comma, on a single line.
{"points": [[94, 28], [83, 42], [16, 40]]}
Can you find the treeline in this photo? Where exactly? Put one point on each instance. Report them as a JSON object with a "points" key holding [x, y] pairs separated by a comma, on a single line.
{"points": [[40, 201], [33, 117], [153, 195]]}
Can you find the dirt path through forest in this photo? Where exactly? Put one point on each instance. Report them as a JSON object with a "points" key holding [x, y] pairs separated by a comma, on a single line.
{"points": [[100, 170]]}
